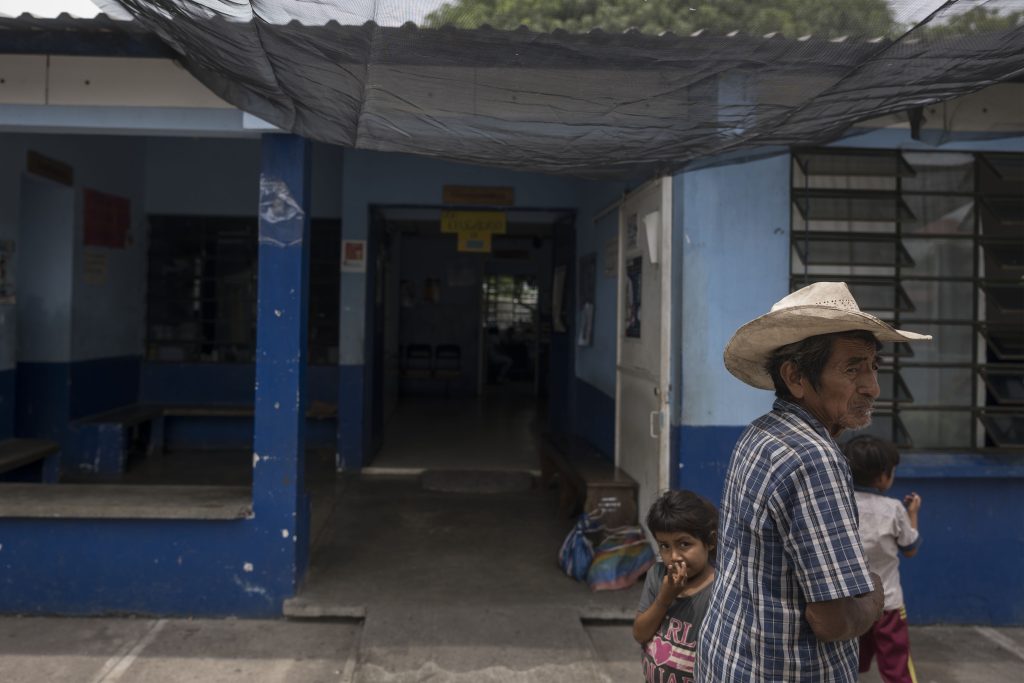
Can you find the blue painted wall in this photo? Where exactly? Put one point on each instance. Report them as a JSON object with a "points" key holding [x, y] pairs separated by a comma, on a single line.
{"points": [[168, 567], [7, 394], [594, 416], [731, 239], [225, 384], [970, 509], [78, 331], [731, 234], [220, 383], [8, 334]]}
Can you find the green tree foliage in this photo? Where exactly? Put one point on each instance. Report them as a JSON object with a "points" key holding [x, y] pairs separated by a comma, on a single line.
{"points": [[793, 18], [977, 20]]}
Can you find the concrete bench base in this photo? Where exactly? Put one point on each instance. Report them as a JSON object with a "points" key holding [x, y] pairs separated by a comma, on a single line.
{"points": [[29, 460]]}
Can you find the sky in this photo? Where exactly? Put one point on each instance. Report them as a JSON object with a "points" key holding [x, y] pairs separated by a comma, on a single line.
{"points": [[48, 8], [395, 12], [410, 10]]}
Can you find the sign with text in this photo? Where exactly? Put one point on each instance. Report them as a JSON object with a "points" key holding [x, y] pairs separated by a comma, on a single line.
{"points": [[47, 167], [480, 196], [493, 222]]}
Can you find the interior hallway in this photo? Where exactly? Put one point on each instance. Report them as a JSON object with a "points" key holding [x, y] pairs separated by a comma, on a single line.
{"points": [[408, 529], [498, 431]]}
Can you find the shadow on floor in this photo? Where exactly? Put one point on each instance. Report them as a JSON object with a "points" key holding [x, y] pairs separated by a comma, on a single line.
{"points": [[389, 541]]}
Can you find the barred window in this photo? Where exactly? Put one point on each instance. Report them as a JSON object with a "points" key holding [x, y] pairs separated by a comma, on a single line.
{"points": [[509, 301], [201, 294], [931, 242]]}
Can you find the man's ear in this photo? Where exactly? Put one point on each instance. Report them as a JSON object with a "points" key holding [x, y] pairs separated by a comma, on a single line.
{"points": [[793, 378]]}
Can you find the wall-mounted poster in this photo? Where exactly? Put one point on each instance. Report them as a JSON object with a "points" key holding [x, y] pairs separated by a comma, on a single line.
{"points": [[558, 300], [632, 231], [106, 219], [6, 271], [587, 286], [408, 290], [632, 296], [586, 334], [94, 267], [432, 290], [611, 257], [353, 256]]}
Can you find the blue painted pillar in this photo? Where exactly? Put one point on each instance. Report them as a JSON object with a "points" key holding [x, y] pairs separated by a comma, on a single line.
{"points": [[280, 502]]}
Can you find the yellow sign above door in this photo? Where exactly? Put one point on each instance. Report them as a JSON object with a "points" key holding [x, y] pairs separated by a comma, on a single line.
{"points": [[491, 222], [475, 241], [474, 228]]}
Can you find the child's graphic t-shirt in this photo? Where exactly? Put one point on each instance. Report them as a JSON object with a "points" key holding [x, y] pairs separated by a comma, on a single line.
{"points": [[668, 657]]}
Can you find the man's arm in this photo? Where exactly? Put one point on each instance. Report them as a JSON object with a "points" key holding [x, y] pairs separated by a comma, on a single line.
{"points": [[846, 618]]}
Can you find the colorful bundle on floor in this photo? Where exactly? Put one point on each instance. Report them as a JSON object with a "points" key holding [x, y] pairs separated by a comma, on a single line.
{"points": [[620, 559], [577, 552]]}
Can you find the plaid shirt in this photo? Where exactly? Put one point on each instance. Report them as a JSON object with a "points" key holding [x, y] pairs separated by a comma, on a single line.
{"points": [[788, 536]]}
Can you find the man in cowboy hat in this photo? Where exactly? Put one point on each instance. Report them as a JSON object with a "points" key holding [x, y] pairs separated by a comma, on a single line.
{"points": [[793, 590]]}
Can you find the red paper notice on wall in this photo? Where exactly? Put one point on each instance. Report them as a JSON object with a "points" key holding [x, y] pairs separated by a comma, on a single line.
{"points": [[107, 219]]}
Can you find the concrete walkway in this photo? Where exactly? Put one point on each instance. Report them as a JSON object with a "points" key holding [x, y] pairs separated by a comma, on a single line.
{"points": [[407, 584], [518, 646], [444, 588]]}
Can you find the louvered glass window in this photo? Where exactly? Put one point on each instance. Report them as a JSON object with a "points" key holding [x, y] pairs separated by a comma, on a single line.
{"points": [[931, 242]]}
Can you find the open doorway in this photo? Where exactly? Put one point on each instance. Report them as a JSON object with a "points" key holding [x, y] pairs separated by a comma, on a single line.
{"points": [[511, 340], [462, 340]]}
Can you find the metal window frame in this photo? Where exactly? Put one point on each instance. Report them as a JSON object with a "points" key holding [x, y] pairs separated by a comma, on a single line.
{"points": [[981, 404]]}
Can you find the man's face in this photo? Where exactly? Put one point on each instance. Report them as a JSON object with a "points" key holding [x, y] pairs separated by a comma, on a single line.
{"points": [[849, 387]]}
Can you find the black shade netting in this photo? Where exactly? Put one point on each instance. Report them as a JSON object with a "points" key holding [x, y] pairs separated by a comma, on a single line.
{"points": [[595, 89]]}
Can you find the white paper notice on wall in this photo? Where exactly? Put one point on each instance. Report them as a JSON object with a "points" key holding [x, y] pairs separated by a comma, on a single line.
{"points": [[652, 228], [94, 267], [611, 257]]}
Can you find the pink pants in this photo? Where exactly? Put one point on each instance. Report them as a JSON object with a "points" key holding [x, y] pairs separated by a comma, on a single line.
{"points": [[888, 641]]}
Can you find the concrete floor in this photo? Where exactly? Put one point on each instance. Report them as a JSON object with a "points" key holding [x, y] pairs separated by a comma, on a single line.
{"points": [[498, 431], [548, 646], [408, 584]]}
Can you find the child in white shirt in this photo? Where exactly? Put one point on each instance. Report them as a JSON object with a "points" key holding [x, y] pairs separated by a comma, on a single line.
{"points": [[887, 530]]}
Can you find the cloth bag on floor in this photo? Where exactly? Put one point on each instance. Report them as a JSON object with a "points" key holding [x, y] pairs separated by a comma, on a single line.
{"points": [[577, 552], [620, 559]]}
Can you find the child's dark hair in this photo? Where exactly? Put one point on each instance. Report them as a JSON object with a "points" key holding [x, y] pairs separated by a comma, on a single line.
{"points": [[870, 458], [685, 511]]}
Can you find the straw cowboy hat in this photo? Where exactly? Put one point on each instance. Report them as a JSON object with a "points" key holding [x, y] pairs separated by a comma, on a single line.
{"points": [[821, 308]]}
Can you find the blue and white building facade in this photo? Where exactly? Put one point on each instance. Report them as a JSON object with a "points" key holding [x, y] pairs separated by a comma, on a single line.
{"points": [[74, 337]]}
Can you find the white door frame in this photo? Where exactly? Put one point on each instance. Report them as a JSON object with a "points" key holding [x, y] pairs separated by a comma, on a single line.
{"points": [[663, 185]]}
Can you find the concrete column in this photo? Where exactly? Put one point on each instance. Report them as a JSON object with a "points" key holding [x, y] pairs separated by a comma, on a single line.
{"points": [[280, 502], [353, 377]]}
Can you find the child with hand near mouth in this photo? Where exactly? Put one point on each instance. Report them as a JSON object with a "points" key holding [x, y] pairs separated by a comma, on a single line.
{"points": [[676, 593]]}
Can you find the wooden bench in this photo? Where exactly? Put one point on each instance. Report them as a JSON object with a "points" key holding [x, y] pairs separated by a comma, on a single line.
{"points": [[29, 459], [106, 440], [587, 481]]}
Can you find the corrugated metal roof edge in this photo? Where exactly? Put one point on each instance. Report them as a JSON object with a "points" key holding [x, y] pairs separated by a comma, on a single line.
{"points": [[66, 20]]}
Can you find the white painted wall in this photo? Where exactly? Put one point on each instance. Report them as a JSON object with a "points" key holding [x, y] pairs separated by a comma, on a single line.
{"points": [[101, 320]]}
